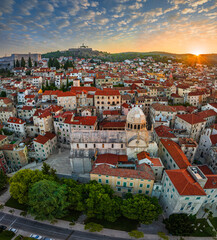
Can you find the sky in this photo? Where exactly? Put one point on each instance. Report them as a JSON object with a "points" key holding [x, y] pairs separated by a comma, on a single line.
{"points": [[40, 26]]}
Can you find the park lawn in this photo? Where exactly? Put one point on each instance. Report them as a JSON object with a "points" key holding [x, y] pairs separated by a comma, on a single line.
{"points": [[72, 216], [6, 235], [203, 230], [123, 224], [13, 203], [214, 222]]}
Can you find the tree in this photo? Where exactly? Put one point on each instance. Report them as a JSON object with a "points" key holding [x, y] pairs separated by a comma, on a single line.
{"points": [[21, 182], [100, 202], [3, 94], [17, 63], [23, 63], [3, 180], [29, 62], [36, 64], [180, 224], [48, 170], [50, 62], [56, 64], [75, 196], [14, 64], [142, 208], [48, 200]]}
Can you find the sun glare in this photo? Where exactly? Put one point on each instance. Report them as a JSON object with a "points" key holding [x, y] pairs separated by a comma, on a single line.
{"points": [[196, 53]]}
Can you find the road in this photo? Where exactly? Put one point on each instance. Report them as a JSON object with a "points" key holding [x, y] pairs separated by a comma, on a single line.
{"points": [[48, 230]]}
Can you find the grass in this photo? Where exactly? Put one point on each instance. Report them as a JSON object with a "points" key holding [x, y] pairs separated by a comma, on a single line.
{"points": [[13, 203], [6, 235], [20, 237], [214, 222], [71, 216], [123, 224], [204, 226]]}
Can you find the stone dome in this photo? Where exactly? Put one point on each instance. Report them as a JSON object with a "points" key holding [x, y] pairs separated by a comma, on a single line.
{"points": [[136, 116]]}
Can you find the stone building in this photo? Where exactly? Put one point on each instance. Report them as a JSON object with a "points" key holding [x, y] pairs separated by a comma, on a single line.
{"points": [[87, 144]]}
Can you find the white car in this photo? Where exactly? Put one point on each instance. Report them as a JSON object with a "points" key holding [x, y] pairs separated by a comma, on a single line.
{"points": [[13, 230], [36, 236]]}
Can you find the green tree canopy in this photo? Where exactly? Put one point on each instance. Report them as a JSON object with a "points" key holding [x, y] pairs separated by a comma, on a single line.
{"points": [[48, 200], [21, 182], [23, 63], [100, 202], [3, 94], [3, 180], [142, 208], [180, 224], [29, 62]]}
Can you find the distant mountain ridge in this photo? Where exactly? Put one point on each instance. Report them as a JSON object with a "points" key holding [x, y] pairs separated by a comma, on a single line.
{"points": [[158, 55]]}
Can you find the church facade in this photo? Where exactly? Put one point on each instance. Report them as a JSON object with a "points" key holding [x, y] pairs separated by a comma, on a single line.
{"points": [[86, 145]]}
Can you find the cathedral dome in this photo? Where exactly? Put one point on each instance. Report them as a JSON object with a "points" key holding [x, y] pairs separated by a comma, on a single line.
{"points": [[136, 116]]}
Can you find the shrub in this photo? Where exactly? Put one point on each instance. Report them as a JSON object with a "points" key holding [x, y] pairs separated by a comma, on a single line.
{"points": [[93, 227], [136, 234], [24, 214], [163, 235], [1, 206]]}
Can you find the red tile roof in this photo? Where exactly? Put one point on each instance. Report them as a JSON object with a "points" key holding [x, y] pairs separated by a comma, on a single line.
{"points": [[66, 94], [15, 120], [191, 118], [86, 121], [107, 93], [113, 124], [27, 108], [211, 182], [184, 182], [120, 172], [110, 158], [43, 139], [213, 139], [207, 113], [205, 169], [162, 107], [176, 153], [2, 137], [109, 112], [164, 132]]}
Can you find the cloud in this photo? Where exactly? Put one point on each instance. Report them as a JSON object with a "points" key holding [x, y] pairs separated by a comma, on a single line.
{"points": [[63, 24], [136, 6], [102, 21], [188, 10], [199, 2], [6, 6], [94, 4]]}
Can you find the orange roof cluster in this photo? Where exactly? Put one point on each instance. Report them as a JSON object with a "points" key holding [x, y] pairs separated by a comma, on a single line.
{"points": [[184, 182], [104, 169], [156, 161], [5, 100], [176, 153], [66, 94], [43, 139]]}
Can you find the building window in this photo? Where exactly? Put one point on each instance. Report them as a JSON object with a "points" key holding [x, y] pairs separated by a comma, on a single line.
{"points": [[131, 184], [148, 186], [140, 191], [146, 192], [197, 198], [118, 183], [119, 189], [100, 180], [103, 145], [140, 185], [106, 181]]}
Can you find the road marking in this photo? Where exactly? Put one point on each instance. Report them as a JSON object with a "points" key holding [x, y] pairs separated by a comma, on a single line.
{"points": [[44, 229], [2, 217], [13, 222]]}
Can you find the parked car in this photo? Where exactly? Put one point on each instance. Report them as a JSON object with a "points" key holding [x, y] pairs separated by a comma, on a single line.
{"points": [[48, 238], [13, 230], [36, 236], [2, 227]]}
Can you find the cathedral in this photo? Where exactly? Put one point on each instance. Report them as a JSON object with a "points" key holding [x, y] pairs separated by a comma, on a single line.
{"points": [[86, 145]]}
